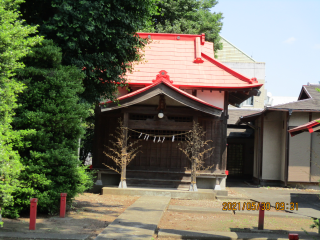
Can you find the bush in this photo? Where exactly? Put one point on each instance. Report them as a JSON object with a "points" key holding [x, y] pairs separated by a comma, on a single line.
{"points": [[50, 105]]}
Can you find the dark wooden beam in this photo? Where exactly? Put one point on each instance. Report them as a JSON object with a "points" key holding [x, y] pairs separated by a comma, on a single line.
{"points": [[238, 126], [224, 132], [174, 111], [160, 125], [168, 91]]}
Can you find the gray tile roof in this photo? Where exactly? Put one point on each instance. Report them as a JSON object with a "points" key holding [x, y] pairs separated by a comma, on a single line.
{"points": [[311, 89], [235, 113], [312, 103]]}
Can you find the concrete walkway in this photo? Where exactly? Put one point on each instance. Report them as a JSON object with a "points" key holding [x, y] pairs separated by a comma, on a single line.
{"points": [[308, 202], [139, 221]]}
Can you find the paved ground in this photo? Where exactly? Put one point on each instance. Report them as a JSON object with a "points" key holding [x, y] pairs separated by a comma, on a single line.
{"points": [[261, 235], [139, 221], [308, 201], [187, 209], [37, 235], [89, 215]]}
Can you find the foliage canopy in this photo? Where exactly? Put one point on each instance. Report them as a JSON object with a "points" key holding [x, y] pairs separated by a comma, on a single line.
{"points": [[51, 106], [15, 43], [189, 17], [97, 36]]}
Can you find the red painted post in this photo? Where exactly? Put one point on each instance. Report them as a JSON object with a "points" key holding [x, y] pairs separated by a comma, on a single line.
{"points": [[33, 213], [293, 236], [261, 217], [63, 204]]}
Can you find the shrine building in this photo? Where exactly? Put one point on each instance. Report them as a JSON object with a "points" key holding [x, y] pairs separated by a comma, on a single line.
{"points": [[179, 83]]}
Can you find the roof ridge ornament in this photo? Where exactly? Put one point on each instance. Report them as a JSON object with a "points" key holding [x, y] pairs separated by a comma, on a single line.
{"points": [[203, 38], [254, 80], [162, 77], [197, 49]]}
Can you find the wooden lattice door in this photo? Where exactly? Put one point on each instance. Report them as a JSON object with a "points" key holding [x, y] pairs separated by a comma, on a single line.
{"points": [[235, 159]]}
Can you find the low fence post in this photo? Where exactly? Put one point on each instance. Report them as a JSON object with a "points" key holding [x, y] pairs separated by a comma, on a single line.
{"points": [[33, 213], [261, 217], [293, 236], [63, 200]]}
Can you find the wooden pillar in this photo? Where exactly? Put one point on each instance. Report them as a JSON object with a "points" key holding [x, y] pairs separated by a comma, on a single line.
{"points": [[286, 176], [123, 183], [224, 120], [97, 137], [193, 185], [261, 147]]}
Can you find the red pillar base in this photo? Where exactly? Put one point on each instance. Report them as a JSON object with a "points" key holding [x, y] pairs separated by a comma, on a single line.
{"points": [[63, 201], [293, 236], [33, 213], [261, 218]]}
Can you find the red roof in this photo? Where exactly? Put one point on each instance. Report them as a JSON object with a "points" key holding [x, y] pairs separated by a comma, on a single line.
{"points": [[188, 63], [162, 77], [305, 127]]}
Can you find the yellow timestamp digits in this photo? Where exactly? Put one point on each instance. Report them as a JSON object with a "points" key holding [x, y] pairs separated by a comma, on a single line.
{"points": [[250, 206], [281, 206]]}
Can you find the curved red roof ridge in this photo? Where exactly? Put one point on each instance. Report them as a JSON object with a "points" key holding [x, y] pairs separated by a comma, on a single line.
{"points": [[169, 36], [229, 70], [164, 79]]}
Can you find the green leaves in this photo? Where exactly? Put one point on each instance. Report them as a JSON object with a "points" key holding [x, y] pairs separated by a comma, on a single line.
{"points": [[15, 43], [51, 106], [94, 35], [189, 17]]}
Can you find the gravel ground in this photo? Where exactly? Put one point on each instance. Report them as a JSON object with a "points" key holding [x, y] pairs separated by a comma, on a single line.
{"points": [[231, 223], [90, 214]]}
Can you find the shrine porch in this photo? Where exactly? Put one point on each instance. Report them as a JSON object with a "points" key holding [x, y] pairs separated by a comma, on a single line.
{"points": [[169, 192], [156, 179]]}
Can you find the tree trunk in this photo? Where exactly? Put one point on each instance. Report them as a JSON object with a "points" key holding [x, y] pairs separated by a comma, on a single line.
{"points": [[123, 183], [193, 185], [1, 223]]}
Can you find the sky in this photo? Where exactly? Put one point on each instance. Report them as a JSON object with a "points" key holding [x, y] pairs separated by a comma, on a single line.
{"points": [[285, 34]]}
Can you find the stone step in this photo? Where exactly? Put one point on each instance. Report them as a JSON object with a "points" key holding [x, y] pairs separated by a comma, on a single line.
{"points": [[173, 193], [150, 186], [158, 175], [163, 183]]}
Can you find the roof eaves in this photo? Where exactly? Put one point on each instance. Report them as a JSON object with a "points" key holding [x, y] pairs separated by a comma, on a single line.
{"points": [[284, 104], [249, 116], [158, 81], [220, 87], [310, 126], [189, 95], [229, 70], [274, 109]]}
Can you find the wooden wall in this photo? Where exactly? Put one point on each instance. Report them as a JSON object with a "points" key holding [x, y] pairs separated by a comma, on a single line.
{"points": [[164, 156]]}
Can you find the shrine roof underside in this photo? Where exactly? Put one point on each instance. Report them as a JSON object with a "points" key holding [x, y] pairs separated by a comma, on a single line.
{"points": [[161, 86]]}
